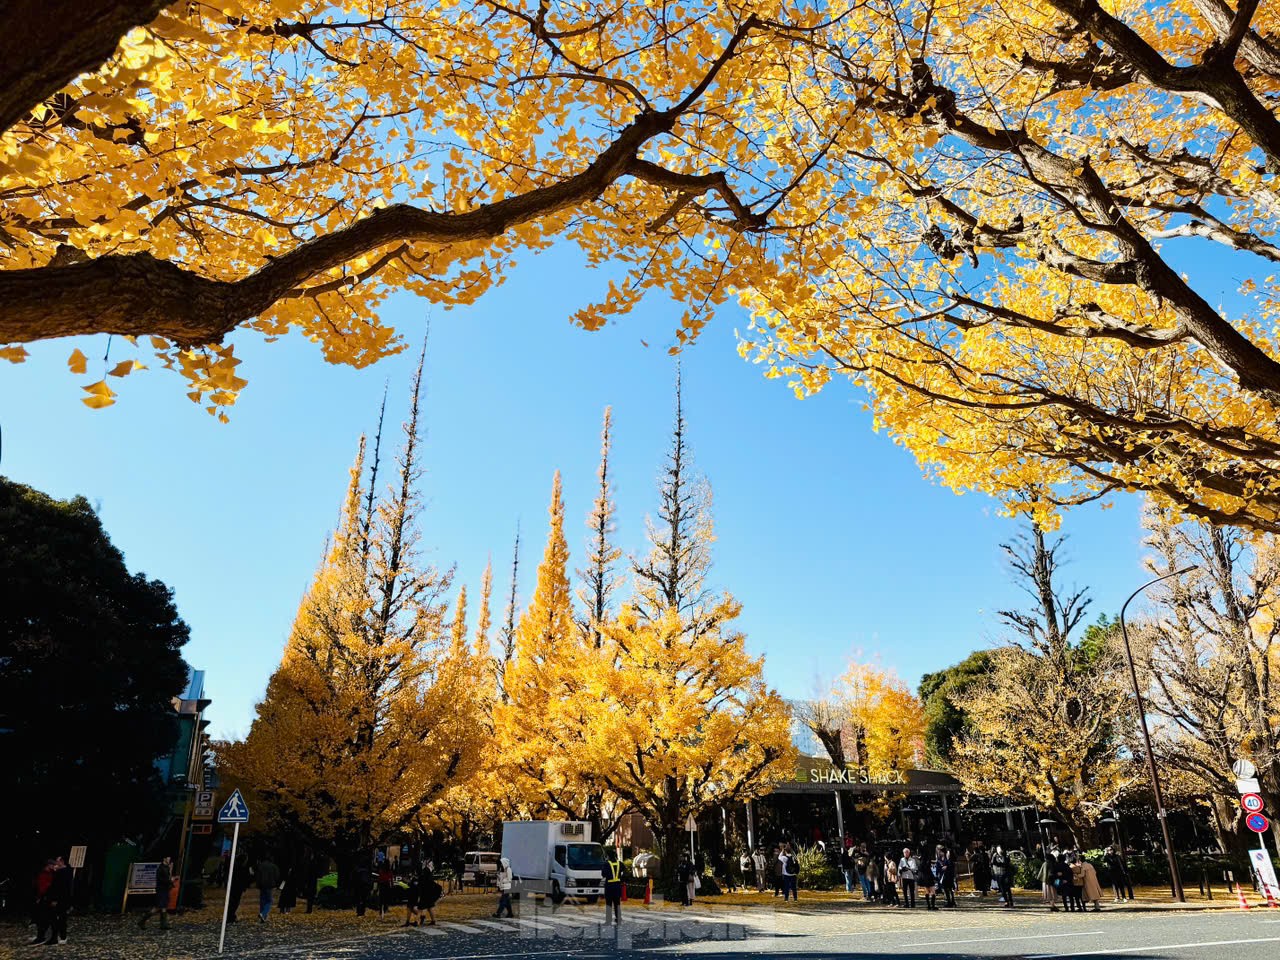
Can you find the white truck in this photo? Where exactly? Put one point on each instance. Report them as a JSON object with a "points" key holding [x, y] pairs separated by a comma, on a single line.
{"points": [[554, 857]]}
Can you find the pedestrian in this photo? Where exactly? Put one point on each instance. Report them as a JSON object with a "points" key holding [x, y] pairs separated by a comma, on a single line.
{"points": [[612, 888], [41, 915], [414, 887], [164, 884], [861, 862], [929, 879], [310, 877], [889, 896], [948, 878], [761, 866], [685, 876], [58, 898], [745, 869], [1092, 888], [1048, 893], [1060, 871], [1076, 864], [240, 881], [790, 875], [776, 867], [288, 889], [504, 879], [875, 872], [908, 876], [429, 891], [268, 879], [1119, 874], [848, 869], [980, 864], [1002, 873], [385, 879], [363, 880]]}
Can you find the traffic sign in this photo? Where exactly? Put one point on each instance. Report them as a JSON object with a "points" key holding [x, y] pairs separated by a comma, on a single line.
{"points": [[1252, 803], [235, 810], [1257, 823], [1244, 769], [1248, 786], [76, 860]]}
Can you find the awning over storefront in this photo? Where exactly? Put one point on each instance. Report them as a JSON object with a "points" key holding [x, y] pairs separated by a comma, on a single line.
{"points": [[815, 775]]}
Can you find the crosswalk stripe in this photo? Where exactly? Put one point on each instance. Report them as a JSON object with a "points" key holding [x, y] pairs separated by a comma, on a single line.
{"points": [[461, 927], [494, 924]]}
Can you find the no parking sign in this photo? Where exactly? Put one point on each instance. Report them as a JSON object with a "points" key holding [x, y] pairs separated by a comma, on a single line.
{"points": [[1257, 823]]}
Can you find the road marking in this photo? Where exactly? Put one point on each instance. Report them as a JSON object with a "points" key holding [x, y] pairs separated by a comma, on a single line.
{"points": [[461, 927], [496, 956], [1037, 936], [1163, 946], [494, 924]]}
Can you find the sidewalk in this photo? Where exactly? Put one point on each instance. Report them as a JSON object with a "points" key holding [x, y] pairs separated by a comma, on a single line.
{"points": [[193, 934]]}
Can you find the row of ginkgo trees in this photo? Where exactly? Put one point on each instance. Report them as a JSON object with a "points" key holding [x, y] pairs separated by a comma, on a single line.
{"points": [[388, 716]]}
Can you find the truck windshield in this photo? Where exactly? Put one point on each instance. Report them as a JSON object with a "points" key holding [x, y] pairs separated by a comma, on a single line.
{"points": [[586, 856]]}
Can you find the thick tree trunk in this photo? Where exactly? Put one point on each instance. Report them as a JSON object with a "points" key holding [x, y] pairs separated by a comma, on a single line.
{"points": [[45, 44]]}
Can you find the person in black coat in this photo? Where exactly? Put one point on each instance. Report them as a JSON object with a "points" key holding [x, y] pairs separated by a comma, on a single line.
{"points": [[58, 899], [164, 884]]}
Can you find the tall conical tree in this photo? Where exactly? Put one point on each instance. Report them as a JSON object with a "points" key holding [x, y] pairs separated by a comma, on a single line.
{"points": [[673, 575], [507, 636], [484, 621], [598, 577], [371, 715], [547, 622], [458, 632]]}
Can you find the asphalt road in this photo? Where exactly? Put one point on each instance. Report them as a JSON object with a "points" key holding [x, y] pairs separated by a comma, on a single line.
{"points": [[826, 931]]}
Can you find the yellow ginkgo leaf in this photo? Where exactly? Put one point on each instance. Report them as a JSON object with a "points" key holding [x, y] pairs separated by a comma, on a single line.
{"points": [[13, 354], [125, 367], [100, 395], [76, 362]]}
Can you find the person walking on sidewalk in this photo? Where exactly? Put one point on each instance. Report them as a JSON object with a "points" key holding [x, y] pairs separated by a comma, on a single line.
{"points": [[1092, 888], [164, 884], [847, 868], [684, 877], [503, 878], [889, 894], [1002, 873], [908, 875], [790, 875], [59, 901], [980, 864], [268, 879], [1119, 872], [612, 888], [41, 915]]}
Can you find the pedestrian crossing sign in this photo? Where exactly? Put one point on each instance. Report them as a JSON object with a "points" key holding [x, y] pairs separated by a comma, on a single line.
{"points": [[235, 810]]}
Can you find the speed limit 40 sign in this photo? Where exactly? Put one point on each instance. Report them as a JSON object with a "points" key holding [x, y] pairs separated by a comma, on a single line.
{"points": [[1252, 803]]}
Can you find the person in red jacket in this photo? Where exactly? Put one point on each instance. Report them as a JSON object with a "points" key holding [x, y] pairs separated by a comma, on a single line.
{"points": [[40, 913]]}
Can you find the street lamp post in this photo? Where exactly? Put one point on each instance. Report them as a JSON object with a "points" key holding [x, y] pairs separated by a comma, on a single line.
{"points": [[1161, 813]]}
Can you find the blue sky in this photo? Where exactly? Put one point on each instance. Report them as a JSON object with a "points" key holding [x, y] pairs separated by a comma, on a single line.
{"points": [[828, 533]]}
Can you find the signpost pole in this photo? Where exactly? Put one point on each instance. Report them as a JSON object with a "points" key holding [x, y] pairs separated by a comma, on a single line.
{"points": [[231, 870], [1175, 879]]}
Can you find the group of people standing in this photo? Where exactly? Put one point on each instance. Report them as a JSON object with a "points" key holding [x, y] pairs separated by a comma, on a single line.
{"points": [[1068, 879]]}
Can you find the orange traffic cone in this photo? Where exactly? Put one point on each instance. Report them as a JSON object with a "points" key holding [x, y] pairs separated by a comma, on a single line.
{"points": [[648, 892], [1271, 900], [1244, 904]]}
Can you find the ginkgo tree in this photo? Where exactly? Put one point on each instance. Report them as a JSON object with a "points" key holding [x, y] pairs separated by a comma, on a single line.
{"points": [[281, 165], [978, 213]]}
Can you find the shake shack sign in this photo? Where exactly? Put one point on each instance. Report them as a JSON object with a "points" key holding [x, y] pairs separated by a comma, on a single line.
{"points": [[831, 774]]}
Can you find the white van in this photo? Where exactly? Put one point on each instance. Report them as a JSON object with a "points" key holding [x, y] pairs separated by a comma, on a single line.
{"points": [[480, 868]]}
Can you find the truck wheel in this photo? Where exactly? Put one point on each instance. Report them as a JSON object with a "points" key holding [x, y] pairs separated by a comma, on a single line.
{"points": [[557, 895]]}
